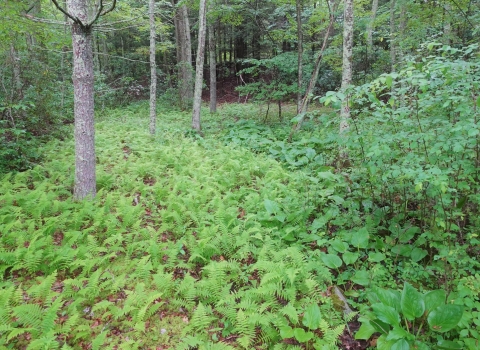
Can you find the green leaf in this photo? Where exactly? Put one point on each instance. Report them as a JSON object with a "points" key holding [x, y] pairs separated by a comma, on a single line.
{"points": [[376, 257], [389, 297], [418, 254], [301, 335], [286, 332], [383, 343], [445, 317], [361, 277], [312, 317], [398, 333], [472, 344], [386, 314], [360, 238], [418, 345], [350, 257], [434, 299], [271, 206], [365, 331], [412, 303], [389, 81], [332, 261], [447, 344], [401, 344], [339, 246]]}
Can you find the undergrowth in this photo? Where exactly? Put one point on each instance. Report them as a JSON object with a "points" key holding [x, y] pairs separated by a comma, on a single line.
{"points": [[244, 240], [189, 244]]}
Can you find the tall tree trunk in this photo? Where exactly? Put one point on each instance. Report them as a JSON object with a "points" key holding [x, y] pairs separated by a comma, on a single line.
{"points": [[185, 63], [300, 55], [153, 68], [447, 28], [85, 180], [370, 26], [392, 35], [197, 97], [346, 63], [213, 68], [16, 77], [313, 80]]}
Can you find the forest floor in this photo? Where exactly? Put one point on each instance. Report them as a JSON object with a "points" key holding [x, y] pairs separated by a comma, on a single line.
{"points": [[181, 246], [233, 240]]}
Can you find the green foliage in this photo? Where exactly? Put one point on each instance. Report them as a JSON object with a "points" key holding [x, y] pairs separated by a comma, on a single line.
{"points": [[200, 248], [400, 319]]}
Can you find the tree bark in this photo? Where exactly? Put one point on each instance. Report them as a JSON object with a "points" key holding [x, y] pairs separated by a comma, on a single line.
{"points": [[185, 64], [197, 97], [346, 63], [370, 25], [213, 68], [77, 12], [153, 69], [300, 55], [392, 35], [85, 180]]}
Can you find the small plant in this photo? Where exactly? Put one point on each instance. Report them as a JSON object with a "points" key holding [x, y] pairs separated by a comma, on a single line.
{"points": [[401, 318]]}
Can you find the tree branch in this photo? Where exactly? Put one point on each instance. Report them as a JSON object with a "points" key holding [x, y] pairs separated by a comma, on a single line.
{"points": [[100, 12], [75, 19]]}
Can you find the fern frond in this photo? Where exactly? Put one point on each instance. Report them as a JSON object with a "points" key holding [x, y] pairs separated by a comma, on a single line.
{"points": [[201, 318], [291, 312]]}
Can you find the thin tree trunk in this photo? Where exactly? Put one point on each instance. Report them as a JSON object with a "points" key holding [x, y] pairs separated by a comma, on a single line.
{"points": [[447, 28], [314, 77], [153, 68], [85, 180], [346, 63], [213, 68], [186, 58], [392, 35], [370, 25], [197, 97], [17, 80], [300, 55]]}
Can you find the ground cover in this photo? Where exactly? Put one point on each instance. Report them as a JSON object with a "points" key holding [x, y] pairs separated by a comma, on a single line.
{"points": [[189, 242]]}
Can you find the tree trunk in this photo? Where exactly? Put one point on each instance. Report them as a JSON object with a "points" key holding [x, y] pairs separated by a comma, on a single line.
{"points": [[16, 77], [370, 25], [447, 28], [85, 181], [197, 97], [346, 78], [392, 35], [346, 63], [153, 68], [314, 77], [185, 63], [213, 68], [300, 55]]}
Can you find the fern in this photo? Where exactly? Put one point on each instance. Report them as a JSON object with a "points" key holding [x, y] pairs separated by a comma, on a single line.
{"points": [[201, 318]]}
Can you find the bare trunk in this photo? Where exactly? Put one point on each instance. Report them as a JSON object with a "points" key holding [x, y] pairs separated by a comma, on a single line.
{"points": [[153, 68], [213, 68], [392, 35], [314, 77], [447, 28], [346, 63], [186, 59], [371, 25], [17, 80], [300, 55], [197, 97], [85, 181]]}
